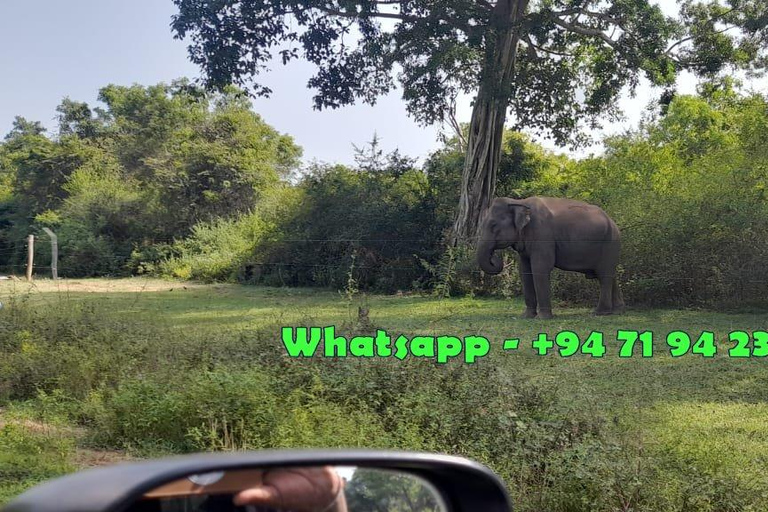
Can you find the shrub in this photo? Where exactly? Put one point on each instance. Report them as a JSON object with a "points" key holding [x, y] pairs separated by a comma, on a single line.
{"points": [[221, 249], [376, 222], [688, 192], [29, 457]]}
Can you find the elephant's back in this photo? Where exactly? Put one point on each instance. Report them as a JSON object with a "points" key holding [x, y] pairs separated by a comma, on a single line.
{"points": [[560, 207], [564, 205], [574, 216]]}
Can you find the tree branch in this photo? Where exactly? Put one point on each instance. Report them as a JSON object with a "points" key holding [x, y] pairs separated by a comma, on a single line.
{"points": [[533, 45], [603, 17], [567, 12], [485, 4], [457, 129], [616, 22], [686, 39], [586, 31], [344, 14]]}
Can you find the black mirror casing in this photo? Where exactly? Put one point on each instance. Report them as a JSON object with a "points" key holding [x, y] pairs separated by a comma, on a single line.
{"points": [[464, 485]]}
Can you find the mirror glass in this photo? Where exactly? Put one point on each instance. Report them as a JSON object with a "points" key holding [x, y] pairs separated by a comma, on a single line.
{"points": [[299, 489]]}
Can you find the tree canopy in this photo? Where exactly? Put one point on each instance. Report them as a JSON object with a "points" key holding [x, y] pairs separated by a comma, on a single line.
{"points": [[575, 55], [167, 180], [557, 64], [145, 166]]}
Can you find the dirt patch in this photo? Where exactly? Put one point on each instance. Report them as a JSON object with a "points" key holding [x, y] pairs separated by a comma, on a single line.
{"points": [[40, 427], [94, 458], [33, 426], [128, 285], [83, 458]]}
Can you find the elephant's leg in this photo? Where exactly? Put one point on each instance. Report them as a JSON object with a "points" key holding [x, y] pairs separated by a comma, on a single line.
{"points": [[605, 305], [541, 272], [618, 299], [529, 288]]}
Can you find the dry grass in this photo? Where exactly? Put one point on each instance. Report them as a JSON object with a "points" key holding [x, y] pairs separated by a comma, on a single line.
{"points": [[85, 458], [82, 458], [131, 285]]}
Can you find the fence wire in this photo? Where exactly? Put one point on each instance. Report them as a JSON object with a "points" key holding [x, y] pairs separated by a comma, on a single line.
{"points": [[371, 254]]}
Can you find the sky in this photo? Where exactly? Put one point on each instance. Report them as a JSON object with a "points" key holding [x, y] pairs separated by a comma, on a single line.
{"points": [[54, 49]]}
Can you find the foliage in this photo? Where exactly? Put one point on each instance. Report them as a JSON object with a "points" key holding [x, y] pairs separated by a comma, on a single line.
{"points": [[382, 217], [29, 457], [144, 169], [374, 489], [222, 249], [187, 394], [167, 182], [521, 161], [573, 59], [688, 189], [558, 65], [165, 371]]}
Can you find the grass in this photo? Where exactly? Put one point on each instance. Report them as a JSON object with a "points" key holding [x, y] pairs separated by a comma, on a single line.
{"points": [[31, 453], [683, 422]]}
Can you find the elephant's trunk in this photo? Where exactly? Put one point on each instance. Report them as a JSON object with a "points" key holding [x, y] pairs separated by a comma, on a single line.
{"points": [[487, 258]]}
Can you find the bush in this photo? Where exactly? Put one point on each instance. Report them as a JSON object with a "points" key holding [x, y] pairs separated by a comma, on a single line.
{"points": [[220, 250], [29, 457], [457, 274], [67, 348], [688, 192], [373, 223], [154, 390]]}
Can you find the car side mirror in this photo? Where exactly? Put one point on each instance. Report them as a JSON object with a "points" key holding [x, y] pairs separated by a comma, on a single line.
{"points": [[301, 481]]}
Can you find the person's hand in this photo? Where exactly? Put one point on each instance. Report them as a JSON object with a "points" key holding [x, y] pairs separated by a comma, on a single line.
{"points": [[302, 489]]}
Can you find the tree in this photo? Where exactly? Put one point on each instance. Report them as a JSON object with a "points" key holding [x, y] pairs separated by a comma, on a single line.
{"points": [[195, 156], [40, 168], [23, 127], [370, 158], [143, 169], [76, 118], [382, 491], [521, 161], [557, 63]]}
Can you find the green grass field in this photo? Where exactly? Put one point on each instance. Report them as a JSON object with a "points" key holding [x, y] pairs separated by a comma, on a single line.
{"points": [[689, 433]]}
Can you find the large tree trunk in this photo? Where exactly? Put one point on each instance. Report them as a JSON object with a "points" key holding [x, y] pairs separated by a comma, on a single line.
{"points": [[486, 129]]}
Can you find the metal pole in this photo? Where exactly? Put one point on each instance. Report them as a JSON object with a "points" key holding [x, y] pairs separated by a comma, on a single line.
{"points": [[54, 253], [30, 256]]}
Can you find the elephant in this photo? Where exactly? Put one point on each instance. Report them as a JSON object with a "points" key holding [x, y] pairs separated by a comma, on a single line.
{"points": [[548, 233]]}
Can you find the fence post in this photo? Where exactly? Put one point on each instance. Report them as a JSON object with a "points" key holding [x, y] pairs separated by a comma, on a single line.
{"points": [[54, 253], [30, 256]]}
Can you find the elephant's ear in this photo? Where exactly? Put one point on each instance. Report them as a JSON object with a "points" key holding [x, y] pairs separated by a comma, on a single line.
{"points": [[521, 213]]}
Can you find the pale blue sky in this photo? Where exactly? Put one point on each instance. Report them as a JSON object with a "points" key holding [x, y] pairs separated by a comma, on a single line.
{"points": [[54, 48]]}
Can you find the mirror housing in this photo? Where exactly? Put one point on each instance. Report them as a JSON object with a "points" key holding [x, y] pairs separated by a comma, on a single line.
{"points": [[463, 485]]}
